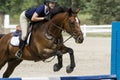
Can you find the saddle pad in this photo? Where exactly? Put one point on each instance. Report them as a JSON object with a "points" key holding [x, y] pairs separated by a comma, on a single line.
{"points": [[15, 40]]}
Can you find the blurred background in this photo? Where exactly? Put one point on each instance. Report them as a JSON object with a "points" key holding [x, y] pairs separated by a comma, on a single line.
{"points": [[96, 17], [93, 12]]}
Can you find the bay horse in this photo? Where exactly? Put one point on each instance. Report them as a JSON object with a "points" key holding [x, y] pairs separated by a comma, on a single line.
{"points": [[46, 41]]}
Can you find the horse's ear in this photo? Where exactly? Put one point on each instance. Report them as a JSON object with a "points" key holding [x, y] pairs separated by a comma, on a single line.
{"points": [[70, 11], [77, 10]]}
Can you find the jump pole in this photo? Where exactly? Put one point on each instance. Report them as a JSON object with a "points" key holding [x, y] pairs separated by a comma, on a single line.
{"points": [[115, 49]]}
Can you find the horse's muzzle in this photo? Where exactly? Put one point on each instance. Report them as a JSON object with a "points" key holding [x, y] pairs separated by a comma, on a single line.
{"points": [[79, 39]]}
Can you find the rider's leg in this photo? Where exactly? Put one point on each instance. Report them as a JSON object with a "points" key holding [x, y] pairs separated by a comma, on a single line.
{"points": [[24, 24]]}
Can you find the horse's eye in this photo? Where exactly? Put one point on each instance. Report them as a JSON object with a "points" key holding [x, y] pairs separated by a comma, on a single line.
{"points": [[72, 22]]}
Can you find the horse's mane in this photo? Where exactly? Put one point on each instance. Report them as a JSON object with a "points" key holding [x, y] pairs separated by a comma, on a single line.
{"points": [[57, 10]]}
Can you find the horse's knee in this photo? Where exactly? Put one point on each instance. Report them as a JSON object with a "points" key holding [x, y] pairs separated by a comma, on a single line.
{"points": [[59, 53], [70, 51]]}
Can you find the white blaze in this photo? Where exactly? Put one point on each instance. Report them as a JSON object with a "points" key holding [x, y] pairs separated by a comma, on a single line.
{"points": [[77, 20]]}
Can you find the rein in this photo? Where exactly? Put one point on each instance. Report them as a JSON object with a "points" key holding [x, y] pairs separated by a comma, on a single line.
{"points": [[62, 30], [67, 39]]}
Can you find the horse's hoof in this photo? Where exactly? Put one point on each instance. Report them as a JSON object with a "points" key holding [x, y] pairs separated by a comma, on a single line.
{"points": [[69, 69], [56, 67]]}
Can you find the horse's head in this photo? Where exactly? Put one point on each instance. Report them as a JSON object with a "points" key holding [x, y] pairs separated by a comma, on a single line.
{"points": [[72, 25], [68, 20]]}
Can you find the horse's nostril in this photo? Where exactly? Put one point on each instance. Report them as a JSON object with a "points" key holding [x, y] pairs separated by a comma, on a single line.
{"points": [[80, 39]]}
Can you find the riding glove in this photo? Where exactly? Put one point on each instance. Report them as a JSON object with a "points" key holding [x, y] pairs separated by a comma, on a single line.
{"points": [[47, 18]]}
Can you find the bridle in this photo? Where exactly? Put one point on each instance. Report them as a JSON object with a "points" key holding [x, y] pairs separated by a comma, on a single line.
{"points": [[60, 28]]}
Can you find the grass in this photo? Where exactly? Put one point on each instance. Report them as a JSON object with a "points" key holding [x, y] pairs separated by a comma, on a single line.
{"points": [[99, 34]]}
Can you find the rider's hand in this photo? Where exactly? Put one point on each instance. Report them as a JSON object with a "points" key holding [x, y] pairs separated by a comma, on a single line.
{"points": [[47, 18]]}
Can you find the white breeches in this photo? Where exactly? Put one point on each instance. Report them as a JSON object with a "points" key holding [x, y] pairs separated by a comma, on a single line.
{"points": [[24, 22]]}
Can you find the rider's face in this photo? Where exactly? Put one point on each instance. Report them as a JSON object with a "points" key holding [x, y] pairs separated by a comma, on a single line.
{"points": [[51, 5]]}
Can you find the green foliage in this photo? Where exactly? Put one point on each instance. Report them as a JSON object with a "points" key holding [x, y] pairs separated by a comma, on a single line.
{"points": [[30, 3], [104, 11], [16, 6], [10, 6], [92, 11]]}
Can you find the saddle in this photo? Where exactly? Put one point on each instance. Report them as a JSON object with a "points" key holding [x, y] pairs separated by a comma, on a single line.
{"points": [[15, 40]]}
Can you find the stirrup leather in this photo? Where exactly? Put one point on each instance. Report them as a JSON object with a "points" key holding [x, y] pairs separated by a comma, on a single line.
{"points": [[19, 53]]}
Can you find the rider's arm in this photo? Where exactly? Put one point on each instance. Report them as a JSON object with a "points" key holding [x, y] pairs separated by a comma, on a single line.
{"points": [[36, 18]]}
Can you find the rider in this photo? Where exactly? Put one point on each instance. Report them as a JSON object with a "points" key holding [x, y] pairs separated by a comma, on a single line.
{"points": [[33, 14]]}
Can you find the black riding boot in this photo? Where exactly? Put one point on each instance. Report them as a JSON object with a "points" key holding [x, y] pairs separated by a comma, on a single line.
{"points": [[21, 47]]}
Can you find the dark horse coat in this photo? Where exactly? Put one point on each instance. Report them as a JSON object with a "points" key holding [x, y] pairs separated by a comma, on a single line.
{"points": [[46, 41]]}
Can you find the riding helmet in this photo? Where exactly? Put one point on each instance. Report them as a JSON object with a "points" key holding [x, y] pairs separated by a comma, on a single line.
{"points": [[47, 1]]}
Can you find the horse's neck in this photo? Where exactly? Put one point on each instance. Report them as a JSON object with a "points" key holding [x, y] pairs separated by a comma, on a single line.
{"points": [[55, 26]]}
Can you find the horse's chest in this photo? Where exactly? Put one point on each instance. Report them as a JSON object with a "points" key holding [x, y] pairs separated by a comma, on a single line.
{"points": [[51, 45], [49, 51], [46, 53]]}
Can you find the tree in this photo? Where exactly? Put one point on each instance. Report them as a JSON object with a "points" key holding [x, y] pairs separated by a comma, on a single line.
{"points": [[10, 6], [104, 11], [1, 19], [116, 10]]}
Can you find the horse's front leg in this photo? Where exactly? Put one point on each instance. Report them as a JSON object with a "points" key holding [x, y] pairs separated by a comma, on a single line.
{"points": [[70, 67], [58, 65]]}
